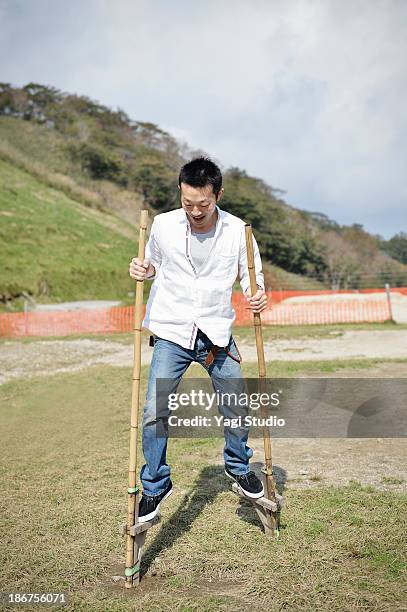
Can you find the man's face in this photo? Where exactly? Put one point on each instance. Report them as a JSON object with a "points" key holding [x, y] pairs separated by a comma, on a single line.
{"points": [[199, 204]]}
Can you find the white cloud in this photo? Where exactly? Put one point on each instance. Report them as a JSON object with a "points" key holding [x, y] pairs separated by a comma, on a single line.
{"points": [[311, 96]]}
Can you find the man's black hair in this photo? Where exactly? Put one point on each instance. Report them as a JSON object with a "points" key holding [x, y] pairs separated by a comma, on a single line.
{"points": [[201, 172]]}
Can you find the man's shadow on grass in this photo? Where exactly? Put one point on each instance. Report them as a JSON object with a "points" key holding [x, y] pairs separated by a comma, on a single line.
{"points": [[210, 483]]}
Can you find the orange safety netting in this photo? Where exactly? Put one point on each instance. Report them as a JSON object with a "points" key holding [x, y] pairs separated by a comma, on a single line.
{"points": [[120, 319]]}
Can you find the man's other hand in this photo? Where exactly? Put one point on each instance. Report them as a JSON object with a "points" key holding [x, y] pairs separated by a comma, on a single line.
{"points": [[258, 302], [139, 270]]}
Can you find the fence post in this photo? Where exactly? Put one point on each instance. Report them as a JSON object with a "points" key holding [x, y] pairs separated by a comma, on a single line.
{"points": [[25, 318], [387, 286]]}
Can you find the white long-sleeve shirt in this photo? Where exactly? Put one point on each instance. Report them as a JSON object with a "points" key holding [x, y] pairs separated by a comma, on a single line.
{"points": [[183, 298]]}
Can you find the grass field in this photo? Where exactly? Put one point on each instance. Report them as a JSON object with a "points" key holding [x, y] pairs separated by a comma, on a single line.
{"points": [[64, 482]]}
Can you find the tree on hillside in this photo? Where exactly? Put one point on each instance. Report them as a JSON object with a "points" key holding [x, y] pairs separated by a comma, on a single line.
{"points": [[323, 221], [396, 247], [42, 94], [99, 162], [239, 198], [280, 231], [342, 261], [367, 245], [156, 182]]}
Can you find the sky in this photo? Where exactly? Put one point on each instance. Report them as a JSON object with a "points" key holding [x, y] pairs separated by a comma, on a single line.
{"points": [[309, 95]]}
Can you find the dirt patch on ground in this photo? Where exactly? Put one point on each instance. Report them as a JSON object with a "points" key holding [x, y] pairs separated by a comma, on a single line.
{"points": [[305, 463], [386, 344], [45, 357]]}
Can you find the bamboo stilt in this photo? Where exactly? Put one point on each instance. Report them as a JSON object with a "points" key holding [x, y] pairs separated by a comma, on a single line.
{"points": [[135, 541], [268, 513]]}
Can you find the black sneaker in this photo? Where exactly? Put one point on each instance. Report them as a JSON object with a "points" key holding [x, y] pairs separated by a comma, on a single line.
{"points": [[249, 483], [150, 504]]}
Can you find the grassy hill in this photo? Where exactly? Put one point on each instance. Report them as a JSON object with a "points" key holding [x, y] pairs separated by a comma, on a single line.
{"points": [[43, 153], [74, 175], [54, 248]]}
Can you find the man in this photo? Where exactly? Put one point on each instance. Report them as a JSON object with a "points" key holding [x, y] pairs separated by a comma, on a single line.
{"points": [[194, 255]]}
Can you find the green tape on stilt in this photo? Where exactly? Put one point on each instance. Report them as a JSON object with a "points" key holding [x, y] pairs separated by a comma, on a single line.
{"points": [[132, 490], [130, 571]]}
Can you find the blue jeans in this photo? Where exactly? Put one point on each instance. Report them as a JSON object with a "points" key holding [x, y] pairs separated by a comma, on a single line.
{"points": [[170, 360]]}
